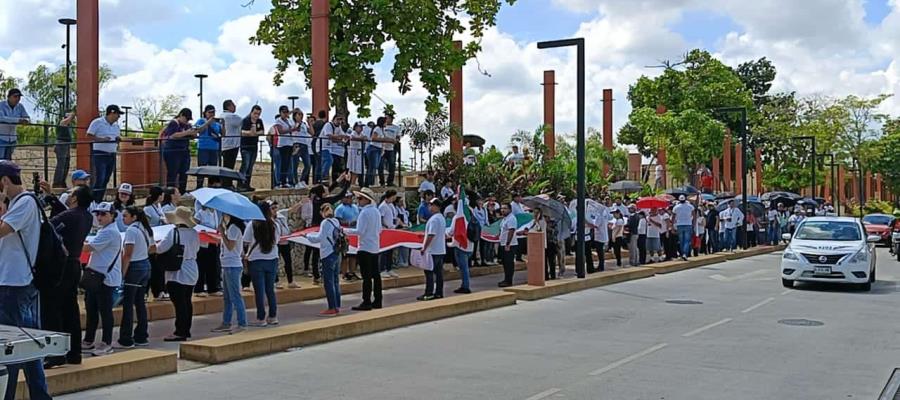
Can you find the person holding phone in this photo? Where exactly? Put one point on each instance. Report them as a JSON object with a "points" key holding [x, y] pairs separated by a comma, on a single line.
{"points": [[12, 113]]}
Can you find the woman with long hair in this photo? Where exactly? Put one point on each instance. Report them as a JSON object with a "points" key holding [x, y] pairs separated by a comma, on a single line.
{"points": [[171, 198], [231, 230], [261, 239], [98, 303], [153, 206], [138, 245]]}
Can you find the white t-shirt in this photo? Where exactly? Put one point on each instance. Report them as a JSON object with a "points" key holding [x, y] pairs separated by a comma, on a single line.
{"points": [[659, 172], [390, 132], [336, 148], [257, 253], [105, 253], [642, 226], [188, 237], [436, 226], [510, 222], [137, 236], [374, 133], [101, 128], [447, 192], [231, 138], [303, 137], [232, 258], [285, 132], [601, 221], [516, 208], [618, 228], [653, 230], [388, 215], [683, 214], [24, 218]]}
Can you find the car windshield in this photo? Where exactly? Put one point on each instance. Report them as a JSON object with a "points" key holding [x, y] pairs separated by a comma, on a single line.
{"points": [[877, 219], [842, 231]]}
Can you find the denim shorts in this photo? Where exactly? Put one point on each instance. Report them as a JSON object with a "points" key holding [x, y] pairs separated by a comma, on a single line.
{"points": [[652, 244]]}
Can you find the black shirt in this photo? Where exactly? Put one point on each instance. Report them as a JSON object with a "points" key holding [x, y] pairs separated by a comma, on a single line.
{"points": [[251, 142], [317, 127], [712, 216], [73, 225]]}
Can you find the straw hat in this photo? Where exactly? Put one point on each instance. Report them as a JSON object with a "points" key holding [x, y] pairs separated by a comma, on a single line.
{"points": [[367, 193], [181, 216]]}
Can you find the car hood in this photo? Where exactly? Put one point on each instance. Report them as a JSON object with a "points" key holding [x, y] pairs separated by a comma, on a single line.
{"points": [[824, 247]]}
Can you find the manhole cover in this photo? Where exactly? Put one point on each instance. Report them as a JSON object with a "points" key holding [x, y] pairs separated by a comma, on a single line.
{"points": [[801, 322], [684, 302]]}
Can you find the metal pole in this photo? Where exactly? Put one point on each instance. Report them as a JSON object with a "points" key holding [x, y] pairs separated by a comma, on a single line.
{"points": [[126, 108], [201, 77], [293, 99], [68, 22], [814, 192], [744, 172]]}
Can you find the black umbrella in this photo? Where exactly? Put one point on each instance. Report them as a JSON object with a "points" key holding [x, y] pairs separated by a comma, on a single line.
{"points": [[771, 196], [686, 190], [625, 186], [757, 208], [473, 140], [216, 172], [724, 195], [807, 202]]}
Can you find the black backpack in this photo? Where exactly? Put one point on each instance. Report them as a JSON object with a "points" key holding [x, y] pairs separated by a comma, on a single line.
{"points": [[47, 270], [172, 258], [339, 240], [473, 231]]}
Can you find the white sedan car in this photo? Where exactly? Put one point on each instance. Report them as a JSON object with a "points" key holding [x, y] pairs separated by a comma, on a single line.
{"points": [[830, 249]]}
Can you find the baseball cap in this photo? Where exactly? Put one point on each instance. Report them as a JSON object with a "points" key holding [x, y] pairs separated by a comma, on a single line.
{"points": [[9, 168], [112, 108], [682, 198], [348, 194], [126, 188], [435, 202], [80, 174], [283, 109], [103, 207]]}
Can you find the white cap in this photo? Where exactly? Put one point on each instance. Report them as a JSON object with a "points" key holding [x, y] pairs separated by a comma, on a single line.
{"points": [[125, 188], [682, 198], [103, 207]]}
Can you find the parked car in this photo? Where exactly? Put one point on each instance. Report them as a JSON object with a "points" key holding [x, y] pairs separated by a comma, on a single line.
{"points": [[830, 249], [879, 224]]}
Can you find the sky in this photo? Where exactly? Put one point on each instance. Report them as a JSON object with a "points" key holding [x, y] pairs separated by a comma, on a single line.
{"points": [[154, 47]]}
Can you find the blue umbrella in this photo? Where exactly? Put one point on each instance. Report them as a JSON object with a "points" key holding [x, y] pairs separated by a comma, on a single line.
{"points": [[228, 202]]}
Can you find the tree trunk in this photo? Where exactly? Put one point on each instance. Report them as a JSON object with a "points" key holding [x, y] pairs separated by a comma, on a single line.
{"points": [[342, 105]]}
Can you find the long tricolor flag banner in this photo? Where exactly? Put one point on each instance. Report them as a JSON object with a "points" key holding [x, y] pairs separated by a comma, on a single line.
{"points": [[390, 239]]}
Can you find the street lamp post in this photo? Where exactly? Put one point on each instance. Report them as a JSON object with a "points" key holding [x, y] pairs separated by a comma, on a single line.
{"points": [[743, 131], [579, 148], [126, 108], [68, 22], [201, 77], [293, 99]]}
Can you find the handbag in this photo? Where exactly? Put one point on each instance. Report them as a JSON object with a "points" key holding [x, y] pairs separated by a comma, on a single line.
{"points": [[92, 280], [171, 259], [695, 242]]}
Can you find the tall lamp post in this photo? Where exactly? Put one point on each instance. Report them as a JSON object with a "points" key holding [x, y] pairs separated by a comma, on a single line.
{"points": [[126, 108], [813, 155], [201, 77], [743, 131], [831, 166], [68, 22], [579, 148], [293, 99]]}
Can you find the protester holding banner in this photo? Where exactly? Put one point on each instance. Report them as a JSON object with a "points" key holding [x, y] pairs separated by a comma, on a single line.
{"points": [[329, 232], [368, 229], [435, 246]]}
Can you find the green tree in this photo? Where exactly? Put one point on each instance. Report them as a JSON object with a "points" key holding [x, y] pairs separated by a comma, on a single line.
{"points": [[885, 155], [758, 76], [421, 31], [43, 88], [861, 125], [154, 112]]}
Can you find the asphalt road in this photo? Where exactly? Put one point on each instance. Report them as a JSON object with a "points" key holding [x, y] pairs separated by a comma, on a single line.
{"points": [[623, 341]]}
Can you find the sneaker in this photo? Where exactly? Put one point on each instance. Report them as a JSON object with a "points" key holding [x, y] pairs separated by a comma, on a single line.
{"points": [[86, 347], [425, 297], [316, 282], [202, 294], [504, 284], [294, 285], [102, 349], [117, 345], [258, 324], [279, 286], [329, 313], [362, 307], [386, 274], [141, 344], [356, 277], [438, 296], [683, 258], [222, 328], [217, 294], [247, 289], [462, 291], [174, 338], [238, 329], [394, 274], [300, 185], [164, 296], [272, 321]]}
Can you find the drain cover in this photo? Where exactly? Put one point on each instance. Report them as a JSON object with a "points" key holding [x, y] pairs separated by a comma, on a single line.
{"points": [[684, 302], [801, 322]]}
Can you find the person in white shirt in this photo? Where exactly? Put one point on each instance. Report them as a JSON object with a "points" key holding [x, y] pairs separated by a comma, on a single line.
{"points": [[598, 223], [332, 154], [284, 128], [733, 219], [368, 229], [435, 246], [231, 232], [508, 244], [426, 184], [329, 233], [391, 136], [515, 158], [302, 150], [374, 151], [700, 230], [138, 245], [231, 138], [180, 280], [447, 191], [655, 225], [104, 132], [684, 224], [261, 240], [659, 183], [105, 249], [796, 219], [389, 220], [774, 230], [642, 237], [355, 153], [210, 273], [617, 235]]}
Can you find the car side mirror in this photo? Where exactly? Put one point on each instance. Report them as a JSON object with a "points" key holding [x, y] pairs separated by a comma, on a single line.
{"points": [[873, 238], [786, 236]]}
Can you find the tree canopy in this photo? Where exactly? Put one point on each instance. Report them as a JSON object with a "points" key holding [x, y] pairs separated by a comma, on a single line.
{"points": [[422, 32], [43, 88]]}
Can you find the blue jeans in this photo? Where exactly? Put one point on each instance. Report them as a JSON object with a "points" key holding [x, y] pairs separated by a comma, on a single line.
{"points": [[234, 302], [331, 272], [774, 232], [19, 306], [434, 279], [462, 261], [178, 161], [133, 303], [248, 159], [6, 150], [303, 156], [685, 234], [373, 160], [403, 256], [730, 242], [325, 161], [712, 240], [276, 165], [262, 273], [103, 164]]}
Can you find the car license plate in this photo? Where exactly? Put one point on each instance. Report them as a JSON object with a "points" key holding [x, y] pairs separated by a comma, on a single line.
{"points": [[823, 270]]}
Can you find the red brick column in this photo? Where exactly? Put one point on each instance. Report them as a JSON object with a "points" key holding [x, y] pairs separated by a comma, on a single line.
{"points": [[607, 124], [726, 163], [550, 112]]}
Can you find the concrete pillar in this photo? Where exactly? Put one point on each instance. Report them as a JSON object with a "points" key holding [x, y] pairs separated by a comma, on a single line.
{"points": [[535, 261], [726, 162], [738, 167], [607, 124], [550, 112], [757, 154], [456, 106], [661, 152], [715, 173], [879, 188], [88, 75], [321, 58], [634, 166]]}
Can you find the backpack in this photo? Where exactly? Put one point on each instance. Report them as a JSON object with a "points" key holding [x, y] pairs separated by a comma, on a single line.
{"points": [[47, 270], [339, 240], [172, 258], [473, 231]]}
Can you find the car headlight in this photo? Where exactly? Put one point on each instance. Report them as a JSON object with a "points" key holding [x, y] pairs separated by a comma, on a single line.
{"points": [[861, 256], [790, 255]]}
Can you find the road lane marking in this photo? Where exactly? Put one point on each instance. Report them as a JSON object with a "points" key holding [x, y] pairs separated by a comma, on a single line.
{"points": [[545, 394], [786, 291], [722, 278], [758, 305], [628, 359], [707, 327]]}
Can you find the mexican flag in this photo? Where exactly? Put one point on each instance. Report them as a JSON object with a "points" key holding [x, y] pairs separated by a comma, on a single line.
{"points": [[461, 220]]}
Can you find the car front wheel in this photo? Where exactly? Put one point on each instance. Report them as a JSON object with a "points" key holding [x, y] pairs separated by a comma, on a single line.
{"points": [[865, 287]]}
